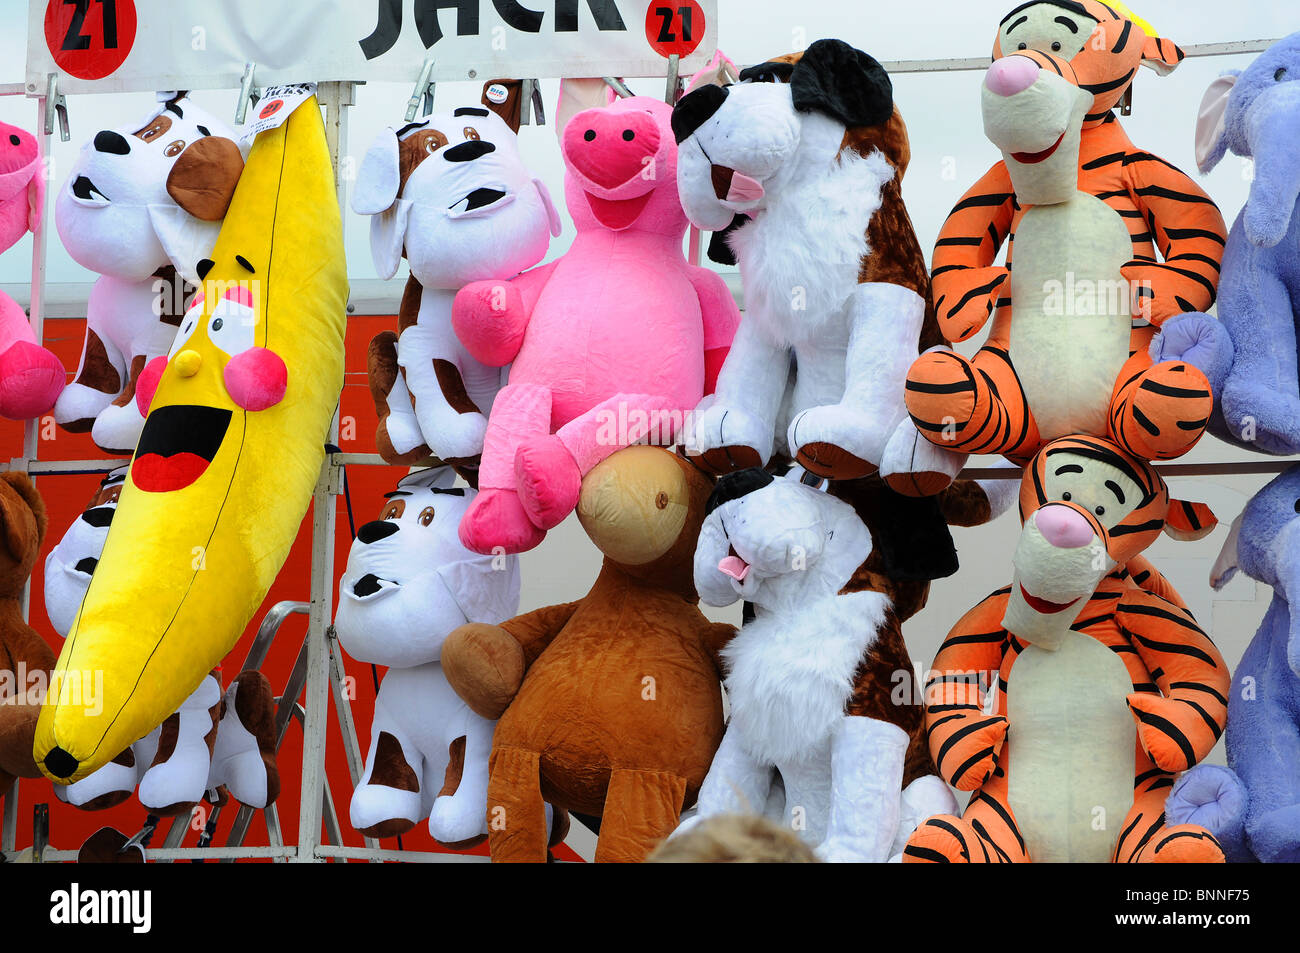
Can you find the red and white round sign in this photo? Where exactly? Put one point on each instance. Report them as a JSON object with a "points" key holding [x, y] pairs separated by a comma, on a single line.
{"points": [[90, 39], [674, 26], [270, 109]]}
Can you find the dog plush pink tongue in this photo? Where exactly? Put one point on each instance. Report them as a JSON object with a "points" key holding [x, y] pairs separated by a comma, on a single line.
{"points": [[735, 567]]}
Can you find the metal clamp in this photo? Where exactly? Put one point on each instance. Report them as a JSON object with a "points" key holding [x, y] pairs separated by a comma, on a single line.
{"points": [[674, 89], [247, 93], [423, 91], [531, 110], [56, 106], [617, 86]]}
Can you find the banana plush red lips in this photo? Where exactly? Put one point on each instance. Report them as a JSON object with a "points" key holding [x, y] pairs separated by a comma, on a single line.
{"points": [[176, 446]]}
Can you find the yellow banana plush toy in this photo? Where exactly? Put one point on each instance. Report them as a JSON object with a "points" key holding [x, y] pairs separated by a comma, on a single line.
{"points": [[238, 415]]}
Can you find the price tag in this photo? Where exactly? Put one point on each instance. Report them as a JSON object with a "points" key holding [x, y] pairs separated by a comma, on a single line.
{"points": [[89, 39], [676, 26], [275, 106]]}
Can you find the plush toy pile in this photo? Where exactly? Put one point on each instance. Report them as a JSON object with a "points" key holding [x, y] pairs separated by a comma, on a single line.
{"points": [[804, 458]]}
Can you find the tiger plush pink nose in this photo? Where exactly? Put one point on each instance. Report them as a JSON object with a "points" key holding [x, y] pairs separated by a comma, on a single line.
{"points": [[1011, 75], [1064, 526]]}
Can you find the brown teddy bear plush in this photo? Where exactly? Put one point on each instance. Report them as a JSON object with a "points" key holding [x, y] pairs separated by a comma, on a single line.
{"points": [[25, 660], [609, 706]]}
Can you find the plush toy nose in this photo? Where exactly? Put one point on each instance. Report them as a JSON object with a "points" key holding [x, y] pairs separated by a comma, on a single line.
{"points": [[109, 141], [609, 147], [469, 151], [376, 530], [1011, 75], [1063, 526]]}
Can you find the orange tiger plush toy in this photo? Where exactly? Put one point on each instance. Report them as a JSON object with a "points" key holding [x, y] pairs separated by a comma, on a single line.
{"points": [[1069, 349], [1068, 701]]}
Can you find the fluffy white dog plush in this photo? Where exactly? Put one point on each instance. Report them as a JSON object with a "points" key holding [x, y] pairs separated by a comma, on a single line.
{"points": [[142, 206], [209, 742], [409, 582], [451, 193], [801, 164], [817, 739]]}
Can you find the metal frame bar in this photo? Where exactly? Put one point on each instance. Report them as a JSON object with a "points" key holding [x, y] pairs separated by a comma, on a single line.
{"points": [[318, 663]]}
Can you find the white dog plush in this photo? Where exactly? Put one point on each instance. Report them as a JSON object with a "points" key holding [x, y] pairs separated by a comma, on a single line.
{"points": [[451, 194], [817, 739], [801, 164], [142, 206], [409, 582], [209, 742]]}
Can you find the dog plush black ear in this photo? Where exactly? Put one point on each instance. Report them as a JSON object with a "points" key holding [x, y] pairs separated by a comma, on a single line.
{"points": [[720, 250], [844, 83]]}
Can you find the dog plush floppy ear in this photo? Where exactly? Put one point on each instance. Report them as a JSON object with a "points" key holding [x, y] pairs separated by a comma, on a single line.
{"points": [[378, 182], [201, 183], [844, 83]]}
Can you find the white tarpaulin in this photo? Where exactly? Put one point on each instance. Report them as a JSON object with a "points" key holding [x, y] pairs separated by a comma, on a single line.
{"points": [[135, 45]]}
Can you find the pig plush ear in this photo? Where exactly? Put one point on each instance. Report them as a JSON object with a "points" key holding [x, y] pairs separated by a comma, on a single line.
{"points": [[1211, 122], [577, 95], [1186, 521]]}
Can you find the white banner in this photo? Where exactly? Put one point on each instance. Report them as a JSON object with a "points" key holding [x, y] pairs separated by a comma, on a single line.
{"points": [[136, 45]]}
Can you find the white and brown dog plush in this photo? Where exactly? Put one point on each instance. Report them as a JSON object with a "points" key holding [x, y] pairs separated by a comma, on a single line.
{"points": [[811, 149], [142, 205], [817, 739], [451, 194], [408, 583], [210, 742]]}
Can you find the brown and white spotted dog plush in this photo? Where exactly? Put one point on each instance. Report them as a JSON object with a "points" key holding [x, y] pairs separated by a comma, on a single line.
{"points": [[451, 194], [142, 206], [803, 161]]}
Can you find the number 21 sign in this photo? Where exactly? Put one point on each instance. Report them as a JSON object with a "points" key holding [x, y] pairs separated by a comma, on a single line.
{"points": [[674, 27], [90, 39]]}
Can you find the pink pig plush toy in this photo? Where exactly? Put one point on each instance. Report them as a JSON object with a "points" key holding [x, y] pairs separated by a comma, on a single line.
{"points": [[30, 376], [613, 342]]}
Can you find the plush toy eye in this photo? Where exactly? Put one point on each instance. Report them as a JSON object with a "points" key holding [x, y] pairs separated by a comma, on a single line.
{"points": [[174, 148], [1023, 46], [1100, 511], [15, 141], [1056, 46], [589, 135], [1297, 506], [1066, 496], [1280, 74], [431, 145], [393, 510], [628, 135], [426, 516]]}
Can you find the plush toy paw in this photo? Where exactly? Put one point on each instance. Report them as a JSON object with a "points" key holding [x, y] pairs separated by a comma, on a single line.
{"points": [[110, 846], [496, 522], [117, 428], [484, 665], [452, 436], [77, 407], [457, 818], [1267, 421], [913, 466], [111, 785], [1151, 712], [1181, 844], [1162, 414], [838, 442], [31, 379], [1199, 340], [1275, 836], [988, 738], [549, 480], [1210, 796], [381, 811], [489, 317], [945, 839], [727, 439]]}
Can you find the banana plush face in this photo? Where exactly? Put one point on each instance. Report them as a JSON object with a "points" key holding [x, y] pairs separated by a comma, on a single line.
{"points": [[237, 417]]}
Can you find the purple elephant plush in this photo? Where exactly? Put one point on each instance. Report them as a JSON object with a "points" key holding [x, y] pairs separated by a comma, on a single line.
{"points": [[1255, 113]]}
